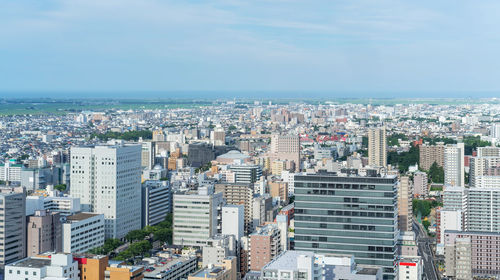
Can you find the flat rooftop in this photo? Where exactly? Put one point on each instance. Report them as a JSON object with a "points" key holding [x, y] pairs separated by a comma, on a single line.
{"points": [[162, 269], [81, 216], [287, 260], [32, 262]]}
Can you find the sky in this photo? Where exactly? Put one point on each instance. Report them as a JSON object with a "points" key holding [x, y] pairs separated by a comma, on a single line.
{"points": [[367, 48]]}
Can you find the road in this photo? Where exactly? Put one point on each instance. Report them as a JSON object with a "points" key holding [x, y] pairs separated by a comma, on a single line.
{"points": [[424, 250]]}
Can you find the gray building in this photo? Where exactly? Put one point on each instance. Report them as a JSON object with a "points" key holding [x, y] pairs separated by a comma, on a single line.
{"points": [[348, 215], [246, 174], [156, 202], [13, 223]]}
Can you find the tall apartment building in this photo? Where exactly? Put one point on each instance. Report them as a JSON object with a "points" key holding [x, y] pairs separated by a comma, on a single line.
{"points": [[218, 136], [420, 184], [484, 169], [265, 244], [430, 154], [447, 220], [495, 131], [13, 217], [148, 152], [239, 194], [454, 169], [196, 217], [286, 147], [377, 147], [245, 173], [454, 198], [483, 209], [348, 215], [44, 233], [107, 179], [156, 202], [405, 207]]}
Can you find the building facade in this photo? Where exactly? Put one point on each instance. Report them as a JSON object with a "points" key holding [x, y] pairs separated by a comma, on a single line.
{"points": [[13, 220], [377, 147], [44, 233]]}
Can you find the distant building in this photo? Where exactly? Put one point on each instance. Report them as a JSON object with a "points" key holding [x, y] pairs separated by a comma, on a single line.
{"points": [[64, 205], [420, 184], [218, 248], [10, 171], [286, 147], [246, 174], [405, 206], [377, 147], [279, 190]]}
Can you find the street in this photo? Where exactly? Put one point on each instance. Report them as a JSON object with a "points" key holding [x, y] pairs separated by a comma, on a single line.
{"points": [[424, 250]]}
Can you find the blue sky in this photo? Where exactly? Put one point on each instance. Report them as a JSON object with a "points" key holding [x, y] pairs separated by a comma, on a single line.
{"points": [[428, 48]]}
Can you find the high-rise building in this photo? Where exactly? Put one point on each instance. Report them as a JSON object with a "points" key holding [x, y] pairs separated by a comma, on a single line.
{"points": [[405, 208], [377, 147], [265, 244], [156, 202], [447, 220], [454, 170], [484, 169], [458, 259], [148, 152], [107, 179], [262, 210], [286, 147], [13, 217], [430, 154], [348, 215], [196, 217], [44, 233], [64, 205], [495, 131], [233, 220], [483, 209], [239, 194], [420, 184]]}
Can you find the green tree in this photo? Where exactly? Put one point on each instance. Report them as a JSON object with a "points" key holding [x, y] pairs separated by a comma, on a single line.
{"points": [[436, 173], [134, 235], [60, 187]]}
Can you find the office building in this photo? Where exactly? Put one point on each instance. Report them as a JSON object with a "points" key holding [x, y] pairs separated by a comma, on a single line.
{"points": [[13, 217], [377, 147], [44, 233], [10, 171], [287, 148], [405, 206], [239, 194], [454, 170], [196, 217], [156, 202], [245, 173], [262, 210], [306, 265], [55, 266], [265, 244], [348, 215], [82, 232], [233, 220], [430, 154], [420, 184], [410, 268], [120, 271], [107, 179], [148, 153]]}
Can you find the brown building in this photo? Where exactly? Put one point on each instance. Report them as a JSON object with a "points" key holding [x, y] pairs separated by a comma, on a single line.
{"points": [[265, 244], [226, 271], [239, 194], [430, 154], [124, 272], [44, 232], [279, 189], [405, 210], [97, 267], [172, 163], [287, 148]]}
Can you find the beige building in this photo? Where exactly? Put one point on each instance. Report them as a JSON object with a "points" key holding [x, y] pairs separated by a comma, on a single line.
{"points": [[458, 259], [277, 166], [405, 210], [430, 154], [377, 147], [239, 194], [287, 148], [44, 232], [279, 189], [227, 271]]}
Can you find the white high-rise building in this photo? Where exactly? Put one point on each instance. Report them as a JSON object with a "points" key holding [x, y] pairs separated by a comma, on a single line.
{"points": [[454, 172], [233, 220], [495, 131], [107, 179]]}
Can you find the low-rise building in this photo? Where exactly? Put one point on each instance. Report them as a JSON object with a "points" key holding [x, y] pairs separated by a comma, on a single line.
{"points": [[175, 267], [44, 232], [82, 232], [56, 266], [226, 271]]}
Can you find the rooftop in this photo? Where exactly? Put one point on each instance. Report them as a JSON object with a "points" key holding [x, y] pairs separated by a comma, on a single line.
{"points": [[32, 262], [287, 260], [81, 216], [162, 267]]}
